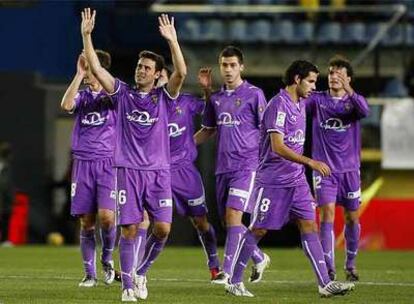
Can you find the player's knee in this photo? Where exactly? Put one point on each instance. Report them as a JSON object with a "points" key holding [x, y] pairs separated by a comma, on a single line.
{"points": [[351, 217], [161, 231], [233, 217], [107, 220], [259, 233], [328, 213], [129, 231], [201, 223], [307, 226], [87, 222]]}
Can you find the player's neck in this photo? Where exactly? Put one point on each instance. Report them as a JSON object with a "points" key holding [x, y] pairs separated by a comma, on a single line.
{"points": [[337, 93], [234, 85], [95, 87], [145, 89], [292, 91]]}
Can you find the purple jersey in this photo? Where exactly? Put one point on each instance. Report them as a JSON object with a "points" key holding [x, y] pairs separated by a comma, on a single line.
{"points": [[288, 118], [237, 115], [93, 135], [336, 131], [142, 141], [181, 112]]}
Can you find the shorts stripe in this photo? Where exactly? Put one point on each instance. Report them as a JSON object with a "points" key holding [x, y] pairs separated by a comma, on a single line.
{"points": [[117, 209], [246, 205], [256, 207]]}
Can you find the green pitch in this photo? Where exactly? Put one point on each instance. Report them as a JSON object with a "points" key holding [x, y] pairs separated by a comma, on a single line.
{"points": [[51, 275]]}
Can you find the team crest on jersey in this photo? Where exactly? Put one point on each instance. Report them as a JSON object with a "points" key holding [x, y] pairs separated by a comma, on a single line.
{"points": [[238, 102], [93, 119], [347, 106], [217, 102], [178, 110], [154, 99], [143, 118]]}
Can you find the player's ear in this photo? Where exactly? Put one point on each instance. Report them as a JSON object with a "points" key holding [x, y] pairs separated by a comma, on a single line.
{"points": [[241, 67], [297, 79], [157, 74]]}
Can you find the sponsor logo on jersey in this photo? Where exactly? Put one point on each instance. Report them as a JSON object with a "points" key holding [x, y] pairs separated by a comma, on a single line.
{"points": [[143, 118], [225, 119], [334, 124], [297, 138], [174, 130], [93, 119]]}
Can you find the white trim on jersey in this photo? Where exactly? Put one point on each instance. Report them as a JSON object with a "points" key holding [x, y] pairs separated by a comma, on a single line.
{"points": [[256, 207], [168, 93], [275, 131], [117, 89], [207, 127]]}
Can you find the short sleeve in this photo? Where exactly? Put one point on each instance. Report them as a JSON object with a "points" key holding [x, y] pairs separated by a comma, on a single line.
{"points": [[120, 88], [274, 118], [310, 103], [197, 105], [209, 117], [261, 104]]}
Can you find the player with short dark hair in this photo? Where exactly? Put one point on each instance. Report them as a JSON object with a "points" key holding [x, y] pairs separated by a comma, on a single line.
{"points": [[142, 150], [234, 113], [336, 135], [93, 178], [281, 189]]}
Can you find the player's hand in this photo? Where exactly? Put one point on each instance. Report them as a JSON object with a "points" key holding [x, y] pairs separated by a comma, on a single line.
{"points": [[88, 21], [167, 28], [321, 167], [346, 83], [204, 78], [81, 65]]}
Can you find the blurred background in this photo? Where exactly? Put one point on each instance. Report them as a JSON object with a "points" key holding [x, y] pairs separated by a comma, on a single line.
{"points": [[41, 42]]}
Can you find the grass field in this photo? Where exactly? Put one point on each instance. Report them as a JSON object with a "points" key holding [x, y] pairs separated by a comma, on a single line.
{"points": [[40, 274]]}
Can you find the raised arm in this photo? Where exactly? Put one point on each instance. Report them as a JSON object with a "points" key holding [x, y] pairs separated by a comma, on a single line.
{"points": [[176, 80], [279, 147], [205, 82], [68, 100], [358, 101], [104, 77]]}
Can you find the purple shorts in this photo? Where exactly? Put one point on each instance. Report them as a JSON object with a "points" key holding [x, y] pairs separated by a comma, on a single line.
{"points": [[234, 190], [276, 206], [93, 186], [143, 189], [188, 191], [340, 188]]}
